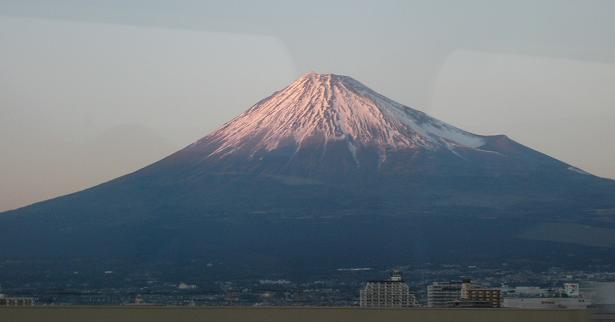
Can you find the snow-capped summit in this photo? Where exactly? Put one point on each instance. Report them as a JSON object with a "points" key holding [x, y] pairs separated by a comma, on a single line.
{"points": [[326, 108], [332, 126]]}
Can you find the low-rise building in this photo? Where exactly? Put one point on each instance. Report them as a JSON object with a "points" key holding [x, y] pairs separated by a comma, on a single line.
{"points": [[527, 291], [547, 302], [571, 289], [479, 296]]}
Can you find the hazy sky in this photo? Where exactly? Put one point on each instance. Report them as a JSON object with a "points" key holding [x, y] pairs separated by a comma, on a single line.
{"points": [[90, 90]]}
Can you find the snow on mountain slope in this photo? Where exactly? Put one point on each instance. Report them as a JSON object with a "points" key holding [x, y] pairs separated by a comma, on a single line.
{"points": [[334, 108]]}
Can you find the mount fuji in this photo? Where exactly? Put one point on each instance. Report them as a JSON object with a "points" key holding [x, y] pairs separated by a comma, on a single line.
{"points": [[328, 173]]}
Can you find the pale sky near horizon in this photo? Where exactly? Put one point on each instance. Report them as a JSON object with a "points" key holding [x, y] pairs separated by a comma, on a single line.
{"points": [[93, 90]]}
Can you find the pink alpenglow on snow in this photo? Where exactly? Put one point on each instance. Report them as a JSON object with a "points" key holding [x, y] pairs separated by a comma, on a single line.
{"points": [[336, 108]]}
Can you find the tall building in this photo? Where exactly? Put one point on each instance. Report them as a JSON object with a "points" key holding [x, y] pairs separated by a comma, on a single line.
{"points": [[443, 294], [388, 293], [472, 296]]}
